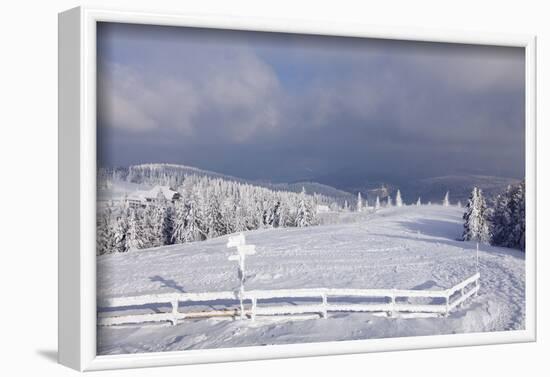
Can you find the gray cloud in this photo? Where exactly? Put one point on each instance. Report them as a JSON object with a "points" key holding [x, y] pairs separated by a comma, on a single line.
{"points": [[285, 107], [240, 95]]}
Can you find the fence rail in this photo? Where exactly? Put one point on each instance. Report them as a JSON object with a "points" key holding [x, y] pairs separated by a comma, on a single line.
{"points": [[329, 300]]}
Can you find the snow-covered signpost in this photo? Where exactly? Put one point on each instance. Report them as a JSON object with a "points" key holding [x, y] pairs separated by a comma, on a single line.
{"points": [[477, 256], [242, 251], [477, 267]]}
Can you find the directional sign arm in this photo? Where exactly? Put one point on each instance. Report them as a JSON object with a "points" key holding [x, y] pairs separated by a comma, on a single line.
{"points": [[246, 249], [236, 241]]}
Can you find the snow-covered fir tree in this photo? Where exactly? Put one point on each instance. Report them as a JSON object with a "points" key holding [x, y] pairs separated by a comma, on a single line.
{"points": [[272, 214], [501, 218], [359, 202], [167, 225], [476, 226], [240, 219], [389, 202], [418, 202], [398, 200], [188, 220], [228, 211], [106, 232], [508, 218], [149, 225], [377, 203], [459, 204], [121, 229], [135, 236], [195, 229], [304, 216], [517, 236], [213, 222], [180, 222], [446, 199]]}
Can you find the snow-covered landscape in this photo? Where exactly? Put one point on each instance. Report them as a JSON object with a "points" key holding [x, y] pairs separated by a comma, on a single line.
{"points": [[407, 247], [269, 188]]}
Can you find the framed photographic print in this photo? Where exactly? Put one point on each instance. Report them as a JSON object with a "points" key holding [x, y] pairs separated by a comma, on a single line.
{"points": [[237, 189]]}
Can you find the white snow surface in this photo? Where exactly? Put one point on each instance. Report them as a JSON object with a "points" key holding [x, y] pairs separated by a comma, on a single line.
{"points": [[402, 247]]}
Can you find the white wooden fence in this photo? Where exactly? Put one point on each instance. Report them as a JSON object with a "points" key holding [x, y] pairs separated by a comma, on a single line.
{"points": [[329, 300]]}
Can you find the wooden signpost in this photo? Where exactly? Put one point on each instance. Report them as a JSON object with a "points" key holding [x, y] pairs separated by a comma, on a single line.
{"points": [[243, 250]]}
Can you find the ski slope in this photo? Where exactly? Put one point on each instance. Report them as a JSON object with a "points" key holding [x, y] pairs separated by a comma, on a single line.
{"points": [[402, 248]]}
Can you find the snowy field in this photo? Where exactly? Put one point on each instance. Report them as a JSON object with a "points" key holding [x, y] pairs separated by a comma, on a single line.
{"points": [[403, 248]]}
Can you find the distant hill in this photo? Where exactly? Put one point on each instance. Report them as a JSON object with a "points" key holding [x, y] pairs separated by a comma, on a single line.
{"points": [[138, 173], [459, 186], [433, 189], [315, 187], [428, 189], [173, 174]]}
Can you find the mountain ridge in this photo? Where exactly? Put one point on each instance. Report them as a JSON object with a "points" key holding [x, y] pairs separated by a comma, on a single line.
{"points": [[428, 189]]}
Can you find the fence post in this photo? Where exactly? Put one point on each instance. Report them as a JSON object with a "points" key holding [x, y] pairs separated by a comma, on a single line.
{"points": [[462, 291], [241, 302], [175, 304], [253, 310], [392, 306], [324, 298]]}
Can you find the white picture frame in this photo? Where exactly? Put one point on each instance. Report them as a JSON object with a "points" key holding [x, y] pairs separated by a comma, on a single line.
{"points": [[77, 189]]}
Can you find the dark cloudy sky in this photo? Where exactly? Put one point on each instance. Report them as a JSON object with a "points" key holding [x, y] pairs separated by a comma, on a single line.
{"points": [[290, 107]]}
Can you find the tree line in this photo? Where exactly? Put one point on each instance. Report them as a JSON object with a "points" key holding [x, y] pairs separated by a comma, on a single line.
{"points": [[502, 223], [208, 208], [173, 175]]}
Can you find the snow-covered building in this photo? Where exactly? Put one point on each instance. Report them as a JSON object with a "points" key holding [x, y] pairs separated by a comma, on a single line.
{"points": [[157, 193], [321, 208]]}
